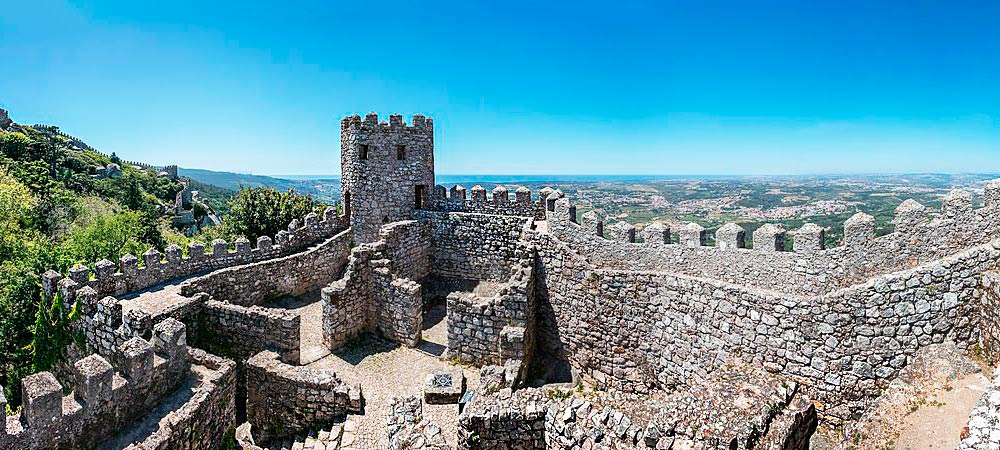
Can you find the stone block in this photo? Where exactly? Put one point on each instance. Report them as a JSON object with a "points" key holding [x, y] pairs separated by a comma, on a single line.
{"points": [[593, 221], [621, 232], [196, 250], [809, 238], [136, 361], [909, 216], [730, 236], [859, 230], [129, 265], [242, 245], [500, 195], [444, 387], [42, 397], [80, 274], [692, 235], [264, 243], [104, 270], [769, 238], [93, 381], [151, 259], [991, 194], [956, 204], [220, 248], [522, 195], [656, 233], [478, 193], [50, 282], [174, 253], [311, 220], [170, 337]]}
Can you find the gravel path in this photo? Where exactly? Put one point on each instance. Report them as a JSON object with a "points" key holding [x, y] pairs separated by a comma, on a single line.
{"points": [[384, 370]]}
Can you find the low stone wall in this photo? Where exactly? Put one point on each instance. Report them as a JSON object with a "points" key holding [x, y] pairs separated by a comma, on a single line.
{"points": [[467, 246], [283, 400], [407, 247], [504, 420], [989, 316], [921, 236], [254, 284], [407, 428], [129, 276], [346, 302], [102, 401], [633, 331], [243, 331], [205, 419], [492, 330], [398, 307], [372, 295]]}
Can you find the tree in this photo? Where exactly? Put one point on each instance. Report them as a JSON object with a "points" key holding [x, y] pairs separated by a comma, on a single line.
{"points": [[108, 238], [263, 211]]}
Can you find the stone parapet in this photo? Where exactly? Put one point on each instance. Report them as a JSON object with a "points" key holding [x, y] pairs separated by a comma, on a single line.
{"points": [[106, 397], [283, 400], [157, 268]]}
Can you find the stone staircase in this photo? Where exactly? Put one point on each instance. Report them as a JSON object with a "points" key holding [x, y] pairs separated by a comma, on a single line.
{"points": [[328, 437]]}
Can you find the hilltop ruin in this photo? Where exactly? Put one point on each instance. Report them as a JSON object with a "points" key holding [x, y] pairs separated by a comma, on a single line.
{"points": [[505, 320]]}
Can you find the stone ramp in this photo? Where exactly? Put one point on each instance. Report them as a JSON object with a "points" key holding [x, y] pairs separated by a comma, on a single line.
{"points": [[309, 307], [926, 406], [157, 301]]}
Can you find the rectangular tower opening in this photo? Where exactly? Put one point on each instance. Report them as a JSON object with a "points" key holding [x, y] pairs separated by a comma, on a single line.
{"points": [[400, 152], [419, 191], [363, 151]]}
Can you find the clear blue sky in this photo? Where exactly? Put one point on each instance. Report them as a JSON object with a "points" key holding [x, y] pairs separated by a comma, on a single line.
{"points": [[626, 87]]}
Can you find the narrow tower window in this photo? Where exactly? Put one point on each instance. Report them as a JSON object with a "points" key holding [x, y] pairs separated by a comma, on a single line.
{"points": [[363, 151], [419, 192], [400, 152]]}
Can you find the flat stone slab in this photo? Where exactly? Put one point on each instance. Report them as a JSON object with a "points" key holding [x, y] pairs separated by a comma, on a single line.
{"points": [[444, 387]]}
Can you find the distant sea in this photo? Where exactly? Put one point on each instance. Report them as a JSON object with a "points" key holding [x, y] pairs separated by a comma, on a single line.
{"points": [[534, 179]]}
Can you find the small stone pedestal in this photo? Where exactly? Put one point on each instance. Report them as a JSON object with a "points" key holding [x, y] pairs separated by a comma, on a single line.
{"points": [[442, 388]]}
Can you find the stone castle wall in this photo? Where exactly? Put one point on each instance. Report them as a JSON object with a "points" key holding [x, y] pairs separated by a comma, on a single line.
{"points": [[378, 291], [244, 331], [493, 329], [920, 237], [297, 274], [633, 330], [283, 400], [106, 397], [130, 276], [496, 202], [108, 322], [207, 415], [377, 185], [989, 316], [469, 246]]}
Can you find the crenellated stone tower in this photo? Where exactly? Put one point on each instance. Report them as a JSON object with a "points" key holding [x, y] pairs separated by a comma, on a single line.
{"points": [[387, 170]]}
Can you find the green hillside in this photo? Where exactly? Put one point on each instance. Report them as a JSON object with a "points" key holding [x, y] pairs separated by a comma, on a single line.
{"points": [[234, 181]]}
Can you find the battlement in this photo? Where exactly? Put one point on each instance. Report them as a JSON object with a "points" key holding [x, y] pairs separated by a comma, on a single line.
{"points": [[132, 274], [497, 201], [371, 122], [107, 392], [920, 236]]}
